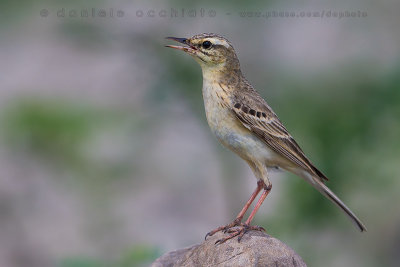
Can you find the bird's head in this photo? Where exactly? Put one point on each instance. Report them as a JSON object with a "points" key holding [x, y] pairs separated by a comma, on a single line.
{"points": [[209, 50]]}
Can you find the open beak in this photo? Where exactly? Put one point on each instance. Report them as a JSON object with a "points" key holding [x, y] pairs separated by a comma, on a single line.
{"points": [[187, 48]]}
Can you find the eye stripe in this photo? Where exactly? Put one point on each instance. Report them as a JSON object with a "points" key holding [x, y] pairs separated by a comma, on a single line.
{"points": [[220, 42]]}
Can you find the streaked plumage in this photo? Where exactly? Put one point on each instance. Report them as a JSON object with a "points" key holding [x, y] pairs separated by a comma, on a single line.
{"points": [[243, 122]]}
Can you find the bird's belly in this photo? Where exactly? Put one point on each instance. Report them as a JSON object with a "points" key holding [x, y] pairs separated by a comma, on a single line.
{"points": [[232, 134]]}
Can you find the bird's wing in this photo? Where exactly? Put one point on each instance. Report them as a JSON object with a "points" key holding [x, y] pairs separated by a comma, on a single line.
{"points": [[257, 116]]}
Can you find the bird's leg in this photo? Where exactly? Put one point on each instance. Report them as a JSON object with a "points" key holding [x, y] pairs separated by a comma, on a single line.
{"points": [[239, 217], [246, 226], [267, 189]]}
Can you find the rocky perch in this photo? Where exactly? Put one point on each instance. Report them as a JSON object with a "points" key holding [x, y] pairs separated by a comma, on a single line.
{"points": [[255, 249]]}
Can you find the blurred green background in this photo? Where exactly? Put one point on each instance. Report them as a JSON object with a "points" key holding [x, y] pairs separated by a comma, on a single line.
{"points": [[106, 158]]}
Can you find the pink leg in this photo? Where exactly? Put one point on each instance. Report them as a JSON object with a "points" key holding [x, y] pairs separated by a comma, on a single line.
{"points": [[239, 217], [260, 185], [258, 205], [246, 226]]}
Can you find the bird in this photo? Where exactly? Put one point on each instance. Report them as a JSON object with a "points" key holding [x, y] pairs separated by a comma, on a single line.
{"points": [[243, 122]]}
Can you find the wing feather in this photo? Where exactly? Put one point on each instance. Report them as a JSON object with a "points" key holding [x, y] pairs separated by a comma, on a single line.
{"points": [[260, 119]]}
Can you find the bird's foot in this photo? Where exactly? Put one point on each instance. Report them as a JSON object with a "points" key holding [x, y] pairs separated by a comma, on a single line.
{"points": [[225, 228], [239, 232]]}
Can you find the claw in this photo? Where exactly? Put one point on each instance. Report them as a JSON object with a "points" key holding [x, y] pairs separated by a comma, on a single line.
{"points": [[245, 230], [256, 228], [214, 231], [225, 229], [223, 240], [235, 228], [238, 231], [208, 234]]}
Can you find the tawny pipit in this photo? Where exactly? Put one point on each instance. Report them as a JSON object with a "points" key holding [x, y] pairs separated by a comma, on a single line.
{"points": [[243, 122]]}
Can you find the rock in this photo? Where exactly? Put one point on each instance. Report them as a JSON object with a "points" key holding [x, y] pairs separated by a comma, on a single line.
{"points": [[255, 249]]}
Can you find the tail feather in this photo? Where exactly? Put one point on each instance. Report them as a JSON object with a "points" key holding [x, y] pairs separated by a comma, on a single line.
{"points": [[321, 187]]}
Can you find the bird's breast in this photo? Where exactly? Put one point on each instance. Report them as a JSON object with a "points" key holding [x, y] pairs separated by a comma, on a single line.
{"points": [[227, 127], [219, 115]]}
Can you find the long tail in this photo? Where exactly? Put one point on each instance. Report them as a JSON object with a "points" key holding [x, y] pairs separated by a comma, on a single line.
{"points": [[321, 187]]}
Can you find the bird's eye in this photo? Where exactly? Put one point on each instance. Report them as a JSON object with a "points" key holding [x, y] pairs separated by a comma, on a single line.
{"points": [[206, 44]]}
